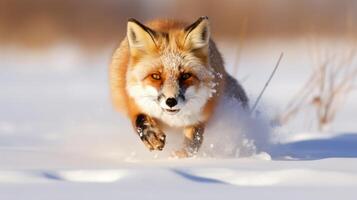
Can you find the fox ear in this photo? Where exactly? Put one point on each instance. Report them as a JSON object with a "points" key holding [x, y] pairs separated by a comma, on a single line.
{"points": [[198, 34], [140, 36]]}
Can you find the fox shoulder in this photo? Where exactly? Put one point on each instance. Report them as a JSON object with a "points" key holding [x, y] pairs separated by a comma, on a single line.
{"points": [[117, 71]]}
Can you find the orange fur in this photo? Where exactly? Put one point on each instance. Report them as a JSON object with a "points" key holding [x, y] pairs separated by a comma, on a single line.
{"points": [[172, 35]]}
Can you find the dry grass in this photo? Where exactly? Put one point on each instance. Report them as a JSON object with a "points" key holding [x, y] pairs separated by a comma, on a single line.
{"points": [[326, 89]]}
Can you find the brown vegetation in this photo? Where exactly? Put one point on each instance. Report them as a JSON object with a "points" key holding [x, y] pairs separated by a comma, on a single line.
{"points": [[327, 88], [97, 23]]}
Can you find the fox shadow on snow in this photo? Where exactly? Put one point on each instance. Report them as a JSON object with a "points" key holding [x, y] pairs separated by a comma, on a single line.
{"points": [[342, 146]]}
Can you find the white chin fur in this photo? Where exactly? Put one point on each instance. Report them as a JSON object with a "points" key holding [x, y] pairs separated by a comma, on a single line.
{"points": [[190, 110]]}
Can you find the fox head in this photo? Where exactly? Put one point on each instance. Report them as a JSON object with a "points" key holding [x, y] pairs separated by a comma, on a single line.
{"points": [[169, 74]]}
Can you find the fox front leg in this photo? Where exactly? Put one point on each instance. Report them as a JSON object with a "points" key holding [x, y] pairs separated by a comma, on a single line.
{"points": [[149, 132], [192, 142]]}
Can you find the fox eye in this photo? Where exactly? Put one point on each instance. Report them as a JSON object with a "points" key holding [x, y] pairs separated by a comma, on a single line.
{"points": [[156, 76], [186, 76]]}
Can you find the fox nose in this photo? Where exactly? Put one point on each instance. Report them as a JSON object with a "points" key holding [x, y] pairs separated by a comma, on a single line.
{"points": [[171, 102]]}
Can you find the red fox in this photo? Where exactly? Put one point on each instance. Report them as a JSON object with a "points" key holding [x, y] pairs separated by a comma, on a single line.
{"points": [[169, 73]]}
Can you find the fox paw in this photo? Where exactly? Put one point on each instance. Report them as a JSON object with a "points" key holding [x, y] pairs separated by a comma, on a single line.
{"points": [[152, 137], [149, 133], [180, 154]]}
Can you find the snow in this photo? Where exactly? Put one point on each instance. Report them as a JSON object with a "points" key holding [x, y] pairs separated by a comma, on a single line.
{"points": [[191, 179], [61, 139]]}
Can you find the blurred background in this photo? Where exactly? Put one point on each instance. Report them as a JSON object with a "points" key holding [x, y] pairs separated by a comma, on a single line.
{"points": [[54, 57], [96, 24]]}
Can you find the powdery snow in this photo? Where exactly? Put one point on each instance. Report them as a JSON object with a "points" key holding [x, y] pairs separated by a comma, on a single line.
{"points": [[61, 139]]}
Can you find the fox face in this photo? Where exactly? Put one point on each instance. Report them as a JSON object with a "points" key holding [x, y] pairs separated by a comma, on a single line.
{"points": [[169, 75]]}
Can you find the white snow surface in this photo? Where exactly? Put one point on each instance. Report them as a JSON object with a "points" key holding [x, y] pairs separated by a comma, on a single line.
{"points": [[61, 139]]}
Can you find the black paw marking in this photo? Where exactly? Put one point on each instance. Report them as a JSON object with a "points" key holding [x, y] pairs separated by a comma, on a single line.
{"points": [[150, 134], [193, 145]]}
